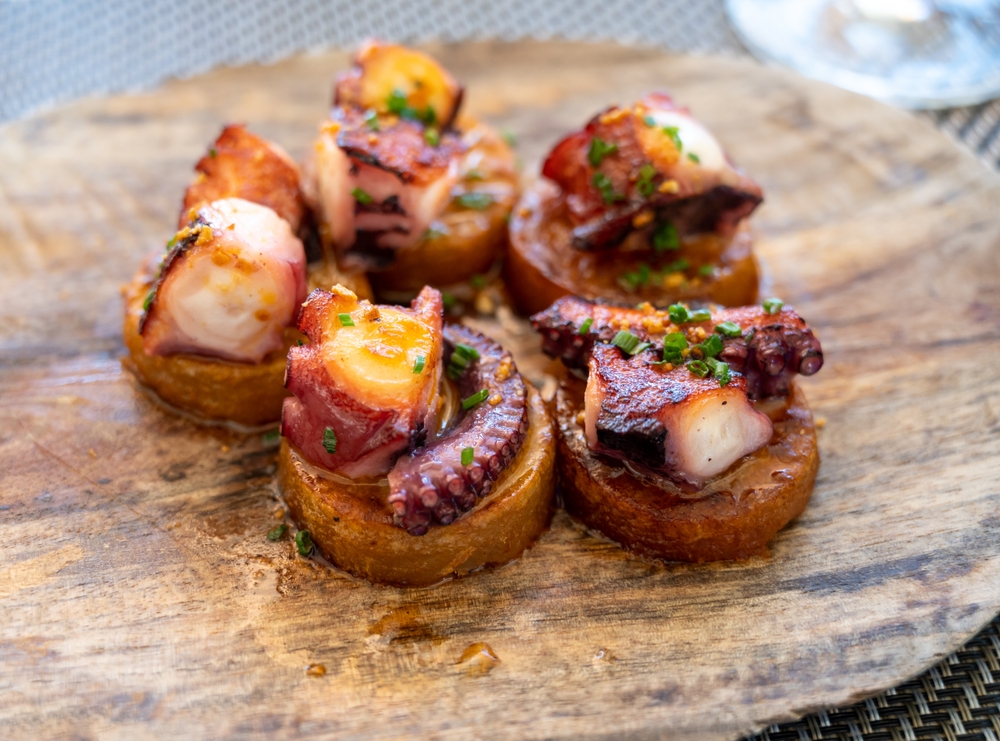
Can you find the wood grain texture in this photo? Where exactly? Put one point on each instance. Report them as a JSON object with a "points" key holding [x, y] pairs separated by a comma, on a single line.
{"points": [[140, 598]]}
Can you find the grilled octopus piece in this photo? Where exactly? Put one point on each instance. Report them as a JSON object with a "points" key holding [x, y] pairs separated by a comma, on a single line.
{"points": [[387, 78], [643, 167], [770, 350], [230, 285], [667, 419], [378, 190], [432, 483], [242, 165], [367, 402], [358, 403]]}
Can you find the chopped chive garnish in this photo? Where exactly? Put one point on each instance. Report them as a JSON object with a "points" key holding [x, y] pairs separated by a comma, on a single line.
{"points": [[477, 398], [698, 368], [642, 346], [585, 327], [212, 152], [701, 315], [599, 149], [371, 118], [673, 346], [448, 300], [429, 116], [361, 197], [706, 270], [330, 440], [649, 121], [397, 102], [697, 160], [461, 359], [478, 282], [635, 279], [750, 334], [510, 138], [628, 342], [345, 320], [772, 305], [645, 184], [607, 189], [300, 343], [666, 237], [304, 542], [721, 372], [171, 243], [729, 329], [432, 136], [467, 456], [675, 137], [149, 300], [679, 313], [474, 175], [677, 266], [712, 346], [277, 533], [271, 436], [475, 200], [419, 365]]}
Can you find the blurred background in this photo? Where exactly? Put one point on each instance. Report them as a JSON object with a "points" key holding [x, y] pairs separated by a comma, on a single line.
{"points": [[910, 52]]}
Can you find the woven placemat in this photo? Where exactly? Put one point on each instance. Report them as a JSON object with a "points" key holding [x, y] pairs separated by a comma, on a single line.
{"points": [[52, 51]]}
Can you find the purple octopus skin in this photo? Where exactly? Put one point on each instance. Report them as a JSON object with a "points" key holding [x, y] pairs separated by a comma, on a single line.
{"points": [[769, 351], [431, 484]]}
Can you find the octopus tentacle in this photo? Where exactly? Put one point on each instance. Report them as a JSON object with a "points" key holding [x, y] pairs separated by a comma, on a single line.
{"points": [[433, 484], [770, 349]]}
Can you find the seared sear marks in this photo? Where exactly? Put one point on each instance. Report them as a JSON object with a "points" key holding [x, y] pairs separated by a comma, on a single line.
{"points": [[242, 165], [770, 349], [433, 484], [653, 157], [358, 403], [668, 421]]}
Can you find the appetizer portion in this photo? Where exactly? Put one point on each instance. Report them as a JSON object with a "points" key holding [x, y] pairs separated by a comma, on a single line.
{"points": [[401, 426], [641, 204], [699, 408], [403, 186]]}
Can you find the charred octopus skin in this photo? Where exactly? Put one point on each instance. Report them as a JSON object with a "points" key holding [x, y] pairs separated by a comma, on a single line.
{"points": [[368, 402], [650, 167], [240, 164], [767, 344], [672, 391], [438, 481]]}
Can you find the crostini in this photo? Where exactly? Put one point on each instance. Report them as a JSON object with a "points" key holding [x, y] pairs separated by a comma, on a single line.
{"points": [[642, 204], [412, 450], [688, 440]]}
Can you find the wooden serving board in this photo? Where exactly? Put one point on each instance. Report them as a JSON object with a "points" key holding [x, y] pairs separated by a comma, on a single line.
{"points": [[140, 598]]}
